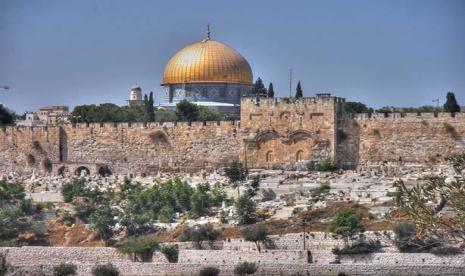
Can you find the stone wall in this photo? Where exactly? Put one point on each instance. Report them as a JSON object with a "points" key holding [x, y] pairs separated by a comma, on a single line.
{"points": [[277, 263], [280, 132], [123, 148], [272, 133], [423, 139]]}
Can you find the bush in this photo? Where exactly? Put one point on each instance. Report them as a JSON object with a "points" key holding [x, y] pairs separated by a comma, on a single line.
{"points": [[105, 270], [268, 194], [321, 166], [319, 193], [407, 241], [171, 253], [446, 250], [245, 268], [209, 271], [345, 224], [64, 269], [360, 247], [141, 247]]}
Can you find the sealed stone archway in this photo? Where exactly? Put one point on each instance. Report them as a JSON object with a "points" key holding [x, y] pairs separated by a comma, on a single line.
{"points": [[269, 148]]}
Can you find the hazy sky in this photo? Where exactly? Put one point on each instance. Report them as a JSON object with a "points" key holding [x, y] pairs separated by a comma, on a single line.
{"points": [[395, 52]]}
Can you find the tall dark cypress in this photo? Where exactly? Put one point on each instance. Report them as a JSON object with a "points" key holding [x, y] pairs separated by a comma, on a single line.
{"points": [[150, 108], [270, 91], [451, 104], [298, 91]]}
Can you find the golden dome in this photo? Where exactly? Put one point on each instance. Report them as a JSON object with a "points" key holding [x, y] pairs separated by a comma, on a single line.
{"points": [[205, 62]]}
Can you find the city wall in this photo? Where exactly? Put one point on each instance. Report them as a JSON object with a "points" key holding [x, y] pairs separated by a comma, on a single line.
{"points": [[272, 133]]}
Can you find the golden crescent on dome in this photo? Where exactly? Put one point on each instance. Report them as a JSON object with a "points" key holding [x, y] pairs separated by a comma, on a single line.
{"points": [[207, 61]]}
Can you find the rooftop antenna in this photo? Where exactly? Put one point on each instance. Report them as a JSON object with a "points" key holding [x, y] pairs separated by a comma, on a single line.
{"points": [[290, 83], [208, 31]]}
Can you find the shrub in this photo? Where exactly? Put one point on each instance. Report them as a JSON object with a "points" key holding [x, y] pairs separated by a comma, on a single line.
{"points": [[360, 247], [171, 253], [105, 270], [407, 241], [209, 271], [245, 268], [446, 250], [345, 224], [141, 247], [64, 269], [268, 194], [319, 193], [321, 166]]}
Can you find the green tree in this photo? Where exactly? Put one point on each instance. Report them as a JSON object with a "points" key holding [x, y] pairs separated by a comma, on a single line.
{"points": [[357, 107], [141, 247], [199, 234], [298, 91], [200, 200], [187, 111], [6, 117], [259, 88], [245, 209], [270, 91], [236, 173], [102, 220], [257, 233], [207, 115], [345, 224], [451, 103]]}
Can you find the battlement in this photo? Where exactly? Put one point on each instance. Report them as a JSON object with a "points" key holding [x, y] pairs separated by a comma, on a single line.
{"points": [[155, 125], [295, 101], [409, 116]]}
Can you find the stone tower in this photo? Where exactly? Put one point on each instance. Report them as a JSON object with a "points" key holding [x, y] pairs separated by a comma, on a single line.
{"points": [[135, 96]]}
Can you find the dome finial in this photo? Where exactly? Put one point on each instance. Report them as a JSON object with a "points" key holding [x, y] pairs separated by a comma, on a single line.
{"points": [[208, 31]]}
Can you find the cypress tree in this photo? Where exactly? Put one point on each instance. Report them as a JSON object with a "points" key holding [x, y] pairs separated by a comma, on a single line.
{"points": [[298, 91], [146, 108], [451, 103], [270, 91], [150, 108]]}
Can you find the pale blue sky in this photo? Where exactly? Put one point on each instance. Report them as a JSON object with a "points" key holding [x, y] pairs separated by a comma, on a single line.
{"points": [[395, 52]]}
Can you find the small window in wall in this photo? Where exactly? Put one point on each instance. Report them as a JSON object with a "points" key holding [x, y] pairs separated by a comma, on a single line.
{"points": [[269, 156], [299, 156]]}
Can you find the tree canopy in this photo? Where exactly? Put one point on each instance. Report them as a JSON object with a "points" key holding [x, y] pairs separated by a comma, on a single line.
{"points": [[6, 117], [451, 104], [259, 88], [357, 107]]}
